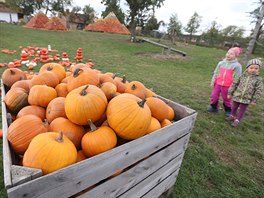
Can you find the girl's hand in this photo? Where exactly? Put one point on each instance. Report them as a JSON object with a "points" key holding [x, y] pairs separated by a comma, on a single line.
{"points": [[229, 97], [253, 103], [212, 85]]}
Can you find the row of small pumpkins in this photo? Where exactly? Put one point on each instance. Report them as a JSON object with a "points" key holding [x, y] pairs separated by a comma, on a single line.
{"points": [[60, 118]]}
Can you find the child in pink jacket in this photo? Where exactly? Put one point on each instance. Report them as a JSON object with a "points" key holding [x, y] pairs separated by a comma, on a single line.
{"points": [[224, 73]]}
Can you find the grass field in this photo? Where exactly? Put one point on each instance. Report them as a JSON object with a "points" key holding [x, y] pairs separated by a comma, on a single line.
{"points": [[220, 161]]}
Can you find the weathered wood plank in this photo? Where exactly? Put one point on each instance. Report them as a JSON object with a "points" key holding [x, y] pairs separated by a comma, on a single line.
{"points": [[123, 182], [73, 179], [164, 46], [153, 180], [163, 186], [7, 160]]}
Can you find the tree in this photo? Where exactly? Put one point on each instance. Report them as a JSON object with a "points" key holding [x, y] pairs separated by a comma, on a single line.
{"points": [[152, 24], [26, 6], [232, 32], [89, 14], [212, 34], [113, 6], [257, 29], [174, 27], [193, 24]]}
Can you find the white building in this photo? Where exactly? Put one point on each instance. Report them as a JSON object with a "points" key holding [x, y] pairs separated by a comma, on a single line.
{"points": [[6, 14]]}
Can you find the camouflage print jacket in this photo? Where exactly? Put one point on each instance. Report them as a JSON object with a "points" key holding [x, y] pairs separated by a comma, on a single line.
{"points": [[247, 88]]}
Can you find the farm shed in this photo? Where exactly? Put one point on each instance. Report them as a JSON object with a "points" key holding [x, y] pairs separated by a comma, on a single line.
{"points": [[8, 15]]}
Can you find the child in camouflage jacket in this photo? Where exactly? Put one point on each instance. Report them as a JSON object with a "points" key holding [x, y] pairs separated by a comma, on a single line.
{"points": [[245, 90]]}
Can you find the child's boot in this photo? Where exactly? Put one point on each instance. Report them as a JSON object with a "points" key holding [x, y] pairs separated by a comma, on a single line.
{"points": [[213, 108], [227, 110]]}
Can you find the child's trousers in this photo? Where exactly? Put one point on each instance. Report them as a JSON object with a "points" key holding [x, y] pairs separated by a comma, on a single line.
{"points": [[242, 110], [216, 94]]}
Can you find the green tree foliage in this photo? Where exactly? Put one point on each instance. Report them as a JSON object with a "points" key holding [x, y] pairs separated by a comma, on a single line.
{"points": [[89, 14], [212, 34], [29, 7], [113, 6], [174, 27], [193, 24], [152, 23]]}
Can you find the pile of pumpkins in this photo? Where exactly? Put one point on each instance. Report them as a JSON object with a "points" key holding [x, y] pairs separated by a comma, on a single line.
{"points": [[61, 117]]}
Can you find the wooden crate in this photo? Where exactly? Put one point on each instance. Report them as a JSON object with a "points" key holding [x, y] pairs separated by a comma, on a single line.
{"points": [[150, 165]]}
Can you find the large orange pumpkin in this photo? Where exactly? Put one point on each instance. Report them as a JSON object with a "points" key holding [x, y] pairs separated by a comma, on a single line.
{"points": [[85, 103], [154, 125], [55, 68], [23, 130], [98, 140], [129, 116], [82, 77], [50, 152], [121, 84], [61, 90], [73, 131], [48, 78], [41, 95], [25, 84]]}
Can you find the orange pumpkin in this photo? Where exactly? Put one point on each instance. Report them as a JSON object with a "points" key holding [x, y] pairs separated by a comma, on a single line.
{"points": [[98, 140], [32, 110], [50, 152], [136, 88], [154, 125], [159, 109], [41, 95], [82, 77], [165, 122], [121, 84], [129, 116], [109, 89], [12, 75], [61, 90], [45, 78], [23, 130], [16, 99], [55, 109], [80, 156], [55, 68], [150, 93], [85, 103], [25, 84], [73, 131]]}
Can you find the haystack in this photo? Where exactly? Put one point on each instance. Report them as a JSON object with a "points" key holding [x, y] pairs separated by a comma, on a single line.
{"points": [[38, 21], [55, 23], [109, 24]]}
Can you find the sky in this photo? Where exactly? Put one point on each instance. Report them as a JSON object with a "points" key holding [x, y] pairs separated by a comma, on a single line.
{"points": [[224, 12]]}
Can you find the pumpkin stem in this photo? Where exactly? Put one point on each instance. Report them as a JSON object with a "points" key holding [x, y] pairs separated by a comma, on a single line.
{"points": [[60, 138], [76, 72], [84, 92], [133, 87], [92, 126], [142, 102], [12, 72], [49, 68], [124, 79]]}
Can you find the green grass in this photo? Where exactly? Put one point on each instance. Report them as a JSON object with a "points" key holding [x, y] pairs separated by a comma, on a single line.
{"points": [[220, 161]]}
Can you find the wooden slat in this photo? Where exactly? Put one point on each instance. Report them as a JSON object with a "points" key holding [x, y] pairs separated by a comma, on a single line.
{"points": [[164, 46], [127, 180], [165, 185], [7, 160], [154, 180], [73, 179]]}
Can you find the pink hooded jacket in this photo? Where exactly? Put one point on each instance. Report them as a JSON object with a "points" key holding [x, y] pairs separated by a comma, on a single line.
{"points": [[226, 71]]}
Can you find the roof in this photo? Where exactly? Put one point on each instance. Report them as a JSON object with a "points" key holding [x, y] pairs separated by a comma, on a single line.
{"points": [[5, 9]]}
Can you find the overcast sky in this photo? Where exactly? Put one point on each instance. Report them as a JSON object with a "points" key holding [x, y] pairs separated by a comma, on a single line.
{"points": [[224, 12]]}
